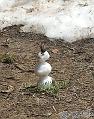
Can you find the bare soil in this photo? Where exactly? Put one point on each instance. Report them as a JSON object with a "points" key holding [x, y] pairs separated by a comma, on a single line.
{"points": [[70, 61]]}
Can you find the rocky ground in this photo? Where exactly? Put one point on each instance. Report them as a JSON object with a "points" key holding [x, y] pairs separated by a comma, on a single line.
{"points": [[73, 62]]}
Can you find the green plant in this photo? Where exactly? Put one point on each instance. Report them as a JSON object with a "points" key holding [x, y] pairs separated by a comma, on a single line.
{"points": [[7, 58], [52, 90], [63, 83]]}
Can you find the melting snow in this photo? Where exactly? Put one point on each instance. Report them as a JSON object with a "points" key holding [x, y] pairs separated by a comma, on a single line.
{"points": [[70, 20]]}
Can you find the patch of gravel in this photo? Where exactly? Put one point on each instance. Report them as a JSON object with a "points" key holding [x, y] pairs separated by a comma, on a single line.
{"points": [[73, 62]]}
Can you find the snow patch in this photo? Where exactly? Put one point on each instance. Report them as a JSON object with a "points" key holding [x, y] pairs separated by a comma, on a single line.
{"points": [[66, 19]]}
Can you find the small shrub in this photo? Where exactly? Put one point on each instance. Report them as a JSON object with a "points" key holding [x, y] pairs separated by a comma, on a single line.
{"points": [[63, 84], [52, 90], [6, 58]]}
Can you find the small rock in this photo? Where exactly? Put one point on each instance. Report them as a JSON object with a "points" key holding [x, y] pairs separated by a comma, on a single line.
{"points": [[9, 90], [55, 51], [48, 114]]}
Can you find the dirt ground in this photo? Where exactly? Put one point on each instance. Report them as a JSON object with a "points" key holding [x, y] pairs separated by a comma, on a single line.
{"points": [[70, 61]]}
